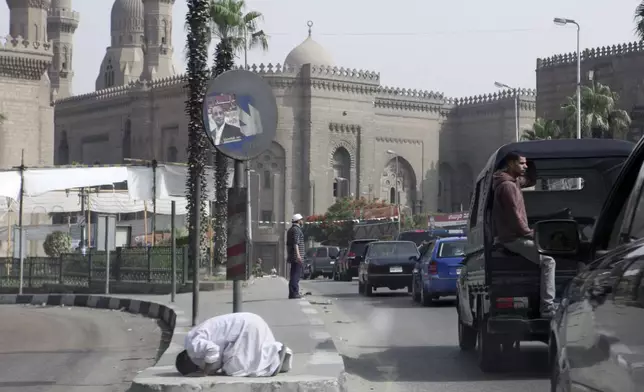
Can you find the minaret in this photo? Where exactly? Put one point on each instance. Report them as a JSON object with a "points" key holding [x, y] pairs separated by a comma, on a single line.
{"points": [[157, 47], [61, 25], [28, 19]]}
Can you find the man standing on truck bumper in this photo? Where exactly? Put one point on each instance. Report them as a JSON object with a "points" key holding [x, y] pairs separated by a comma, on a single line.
{"points": [[511, 222]]}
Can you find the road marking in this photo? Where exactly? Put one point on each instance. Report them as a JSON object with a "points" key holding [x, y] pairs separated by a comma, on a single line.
{"points": [[320, 335], [308, 310], [326, 358], [316, 321]]}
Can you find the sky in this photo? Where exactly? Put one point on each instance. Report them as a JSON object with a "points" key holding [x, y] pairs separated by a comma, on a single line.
{"points": [[457, 47]]}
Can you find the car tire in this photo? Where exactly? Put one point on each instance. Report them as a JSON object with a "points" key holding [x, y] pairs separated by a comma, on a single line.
{"points": [[415, 295], [466, 334], [558, 381], [368, 289], [425, 298], [488, 346]]}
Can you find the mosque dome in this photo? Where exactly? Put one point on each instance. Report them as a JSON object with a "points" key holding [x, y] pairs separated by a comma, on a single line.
{"points": [[127, 17], [309, 52]]}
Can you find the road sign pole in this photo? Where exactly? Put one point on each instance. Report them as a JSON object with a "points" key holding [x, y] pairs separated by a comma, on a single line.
{"points": [[238, 184], [240, 120]]}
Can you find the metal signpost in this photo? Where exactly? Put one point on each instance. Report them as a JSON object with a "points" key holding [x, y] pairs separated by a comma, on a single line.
{"points": [[240, 119], [105, 241]]}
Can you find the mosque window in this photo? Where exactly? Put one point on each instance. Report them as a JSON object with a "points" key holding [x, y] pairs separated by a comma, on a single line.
{"points": [[172, 154], [109, 74], [267, 179], [36, 33]]}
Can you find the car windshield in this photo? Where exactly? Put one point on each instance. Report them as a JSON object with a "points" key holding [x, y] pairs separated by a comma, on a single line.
{"points": [[451, 249], [417, 237], [357, 248], [391, 249]]}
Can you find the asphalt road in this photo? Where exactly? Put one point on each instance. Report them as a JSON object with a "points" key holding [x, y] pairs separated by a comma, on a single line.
{"points": [[62, 349], [391, 344]]}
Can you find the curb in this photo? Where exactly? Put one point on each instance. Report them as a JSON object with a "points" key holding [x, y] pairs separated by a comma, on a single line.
{"points": [[146, 308], [163, 375]]}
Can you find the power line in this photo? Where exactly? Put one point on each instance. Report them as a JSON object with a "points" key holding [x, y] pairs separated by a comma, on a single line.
{"points": [[410, 34]]}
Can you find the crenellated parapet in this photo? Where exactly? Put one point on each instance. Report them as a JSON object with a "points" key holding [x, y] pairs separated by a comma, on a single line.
{"points": [[407, 99], [24, 59], [589, 54], [524, 93]]}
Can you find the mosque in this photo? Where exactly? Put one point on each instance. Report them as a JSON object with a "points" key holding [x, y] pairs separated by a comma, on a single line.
{"points": [[340, 132]]}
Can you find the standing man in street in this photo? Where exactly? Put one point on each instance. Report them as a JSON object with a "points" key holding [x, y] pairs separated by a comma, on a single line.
{"points": [[511, 222], [295, 255]]}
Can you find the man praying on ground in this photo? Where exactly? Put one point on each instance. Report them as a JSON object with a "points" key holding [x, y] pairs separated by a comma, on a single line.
{"points": [[236, 344]]}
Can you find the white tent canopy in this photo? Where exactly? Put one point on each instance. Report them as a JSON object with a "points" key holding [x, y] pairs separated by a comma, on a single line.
{"points": [[104, 202], [170, 181]]}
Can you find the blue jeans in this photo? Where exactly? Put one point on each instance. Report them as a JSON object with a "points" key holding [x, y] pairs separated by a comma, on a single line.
{"points": [[294, 280]]}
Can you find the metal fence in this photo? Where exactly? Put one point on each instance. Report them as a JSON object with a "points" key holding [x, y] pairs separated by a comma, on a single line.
{"points": [[128, 265]]}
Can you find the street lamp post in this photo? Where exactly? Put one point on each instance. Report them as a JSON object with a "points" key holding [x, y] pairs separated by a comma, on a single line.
{"points": [[391, 152], [563, 22], [516, 107]]}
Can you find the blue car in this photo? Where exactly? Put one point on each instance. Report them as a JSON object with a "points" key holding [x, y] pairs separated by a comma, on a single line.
{"points": [[436, 270]]}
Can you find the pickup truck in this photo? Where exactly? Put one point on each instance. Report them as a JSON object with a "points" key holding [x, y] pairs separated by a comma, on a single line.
{"points": [[498, 291]]}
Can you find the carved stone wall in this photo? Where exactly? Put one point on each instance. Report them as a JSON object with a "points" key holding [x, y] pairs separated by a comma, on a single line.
{"points": [[618, 66]]}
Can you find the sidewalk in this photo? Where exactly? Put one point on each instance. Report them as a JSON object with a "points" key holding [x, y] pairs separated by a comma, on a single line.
{"points": [[317, 366]]}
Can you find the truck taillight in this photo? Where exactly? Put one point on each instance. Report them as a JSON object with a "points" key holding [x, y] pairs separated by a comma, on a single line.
{"points": [[505, 303], [432, 268], [351, 254]]}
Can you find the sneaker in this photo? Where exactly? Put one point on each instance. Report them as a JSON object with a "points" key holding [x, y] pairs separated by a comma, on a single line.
{"points": [[287, 362]]}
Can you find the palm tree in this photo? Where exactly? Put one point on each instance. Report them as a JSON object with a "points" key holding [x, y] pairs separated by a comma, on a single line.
{"points": [[600, 115], [639, 21], [235, 32], [197, 46], [542, 130]]}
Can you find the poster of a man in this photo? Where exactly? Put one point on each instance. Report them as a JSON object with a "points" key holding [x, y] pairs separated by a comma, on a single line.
{"points": [[222, 118], [231, 119]]}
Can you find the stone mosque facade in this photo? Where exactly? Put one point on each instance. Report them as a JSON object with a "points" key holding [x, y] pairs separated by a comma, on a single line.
{"points": [[340, 131]]}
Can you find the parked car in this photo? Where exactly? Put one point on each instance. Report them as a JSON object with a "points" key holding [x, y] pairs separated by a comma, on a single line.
{"points": [[437, 269], [498, 300], [323, 261], [336, 266], [423, 236], [386, 264], [348, 264], [596, 343], [308, 259]]}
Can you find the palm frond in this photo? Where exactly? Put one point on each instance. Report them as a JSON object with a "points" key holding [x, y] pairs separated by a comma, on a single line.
{"points": [[639, 21]]}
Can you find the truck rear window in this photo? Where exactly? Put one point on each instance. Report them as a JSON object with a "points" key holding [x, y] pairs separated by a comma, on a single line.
{"points": [[451, 249]]}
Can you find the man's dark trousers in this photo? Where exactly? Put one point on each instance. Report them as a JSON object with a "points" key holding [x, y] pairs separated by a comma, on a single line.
{"points": [[294, 280]]}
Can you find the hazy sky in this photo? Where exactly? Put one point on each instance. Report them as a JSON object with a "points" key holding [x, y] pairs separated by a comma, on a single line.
{"points": [[459, 47]]}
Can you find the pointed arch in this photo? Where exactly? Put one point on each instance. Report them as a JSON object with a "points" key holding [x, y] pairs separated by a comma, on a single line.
{"points": [[399, 175], [63, 149], [341, 167]]}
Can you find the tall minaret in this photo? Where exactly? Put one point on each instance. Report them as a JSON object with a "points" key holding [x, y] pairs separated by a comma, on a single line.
{"points": [[28, 19], [61, 25], [157, 47]]}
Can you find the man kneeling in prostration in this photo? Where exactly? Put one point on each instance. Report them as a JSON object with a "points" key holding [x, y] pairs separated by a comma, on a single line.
{"points": [[236, 344]]}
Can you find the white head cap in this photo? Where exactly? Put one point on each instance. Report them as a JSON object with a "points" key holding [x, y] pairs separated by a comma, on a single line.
{"points": [[296, 217]]}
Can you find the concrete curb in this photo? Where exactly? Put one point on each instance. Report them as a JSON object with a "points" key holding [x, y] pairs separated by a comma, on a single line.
{"points": [[163, 375]]}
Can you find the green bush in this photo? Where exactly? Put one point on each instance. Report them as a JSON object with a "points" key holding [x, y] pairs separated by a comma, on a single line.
{"points": [[57, 243]]}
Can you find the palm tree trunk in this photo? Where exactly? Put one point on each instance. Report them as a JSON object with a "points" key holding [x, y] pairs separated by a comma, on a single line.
{"points": [[197, 21], [224, 61]]}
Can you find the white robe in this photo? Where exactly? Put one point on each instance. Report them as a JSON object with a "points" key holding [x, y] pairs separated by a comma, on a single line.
{"points": [[242, 345]]}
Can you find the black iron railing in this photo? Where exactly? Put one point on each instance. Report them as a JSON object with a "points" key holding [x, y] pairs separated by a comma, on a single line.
{"points": [[130, 265]]}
